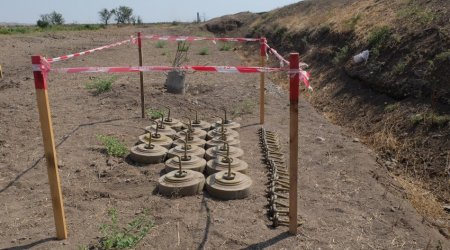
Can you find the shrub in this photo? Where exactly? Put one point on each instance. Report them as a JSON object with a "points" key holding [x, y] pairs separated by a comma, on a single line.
{"points": [[391, 107], [155, 113], [341, 55], [225, 47], [116, 236], [101, 85], [378, 36], [203, 51], [160, 44], [113, 146]]}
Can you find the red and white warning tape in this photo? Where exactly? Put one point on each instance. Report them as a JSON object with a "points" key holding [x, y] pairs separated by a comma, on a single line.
{"points": [[61, 58], [197, 38], [304, 75], [218, 69]]}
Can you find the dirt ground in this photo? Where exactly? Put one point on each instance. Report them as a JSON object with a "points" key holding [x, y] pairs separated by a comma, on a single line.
{"points": [[346, 200]]}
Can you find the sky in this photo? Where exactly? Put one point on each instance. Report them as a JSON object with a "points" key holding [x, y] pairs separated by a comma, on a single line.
{"points": [[86, 11]]}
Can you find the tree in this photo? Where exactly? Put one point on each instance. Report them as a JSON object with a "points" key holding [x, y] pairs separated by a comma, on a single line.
{"points": [[123, 15], [139, 20], [53, 18], [56, 18], [105, 15]]}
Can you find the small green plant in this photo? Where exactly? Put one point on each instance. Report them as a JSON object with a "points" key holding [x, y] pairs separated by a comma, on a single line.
{"points": [[203, 51], [113, 146], [378, 36], [155, 113], [416, 119], [443, 56], [341, 55], [431, 118], [183, 46], [225, 47], [161, 44], [415, 12], [245, 107], [116, 236], [391, 107], [400, 67], [101, 85], [351, 23]]}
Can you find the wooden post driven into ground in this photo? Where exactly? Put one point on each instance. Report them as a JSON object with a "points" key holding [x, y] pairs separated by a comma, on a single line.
{"points": [[45, 119], [294, 81], [261, 80], [141, 74]]}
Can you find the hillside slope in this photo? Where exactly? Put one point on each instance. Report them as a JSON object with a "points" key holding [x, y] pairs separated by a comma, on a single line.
{"points": [[398, 101]]}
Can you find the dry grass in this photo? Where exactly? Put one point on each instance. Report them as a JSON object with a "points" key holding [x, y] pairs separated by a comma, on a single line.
{"points": [[422, 200]]}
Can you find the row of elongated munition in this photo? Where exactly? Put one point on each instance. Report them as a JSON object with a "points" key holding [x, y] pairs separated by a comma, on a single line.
{"points": [[278, 175]]}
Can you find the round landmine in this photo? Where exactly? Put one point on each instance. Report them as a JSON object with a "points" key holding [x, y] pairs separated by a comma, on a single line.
{"points": [[204, 125], [225, 123], [150, 154], [218, 132], [213, 152], [181, 182], [228, 185], [228, 124], [162, 129], [219, 140], [157, 139], [190, 150], [190, 141], [173, 123], [195, 132], [191, 162], [221, 164]]}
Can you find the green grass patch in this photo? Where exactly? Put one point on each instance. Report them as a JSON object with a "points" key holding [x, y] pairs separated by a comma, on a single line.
{"points": [[101, 85], [379, 36], [391, 107], [203, 51], [10, 30], [430, 118], [161, 44], [444, 56], [118, 236], [225, 47], [247, 106], [155, 113], [113, 146], [351, 23], [400, 67], [415, 12], [341, 55]]}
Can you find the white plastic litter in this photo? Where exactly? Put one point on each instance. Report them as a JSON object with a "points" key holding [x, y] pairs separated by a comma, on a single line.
{"points": [[361, 57]]}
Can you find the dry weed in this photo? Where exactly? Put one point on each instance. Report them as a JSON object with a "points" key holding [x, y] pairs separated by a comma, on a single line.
{"points": [[422, 200]]}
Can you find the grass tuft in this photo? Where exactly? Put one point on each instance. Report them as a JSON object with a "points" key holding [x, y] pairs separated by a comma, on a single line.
{"points": [[225, 47], [155, 113], [203, 52], [113, 146], [101, 85], [341, 55], [116, 236], [161, 44]]}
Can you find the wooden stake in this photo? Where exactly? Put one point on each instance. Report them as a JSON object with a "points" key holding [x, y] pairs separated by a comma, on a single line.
{"points": [[1, 72], [40, 82], [294, 81], [141, 74], [261, 81]]}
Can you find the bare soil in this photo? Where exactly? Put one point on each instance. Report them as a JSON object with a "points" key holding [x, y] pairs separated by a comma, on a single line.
{"points": [[346, 199]]}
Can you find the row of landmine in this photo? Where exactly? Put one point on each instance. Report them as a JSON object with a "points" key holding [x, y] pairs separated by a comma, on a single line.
{"points": [[191, 149]]}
